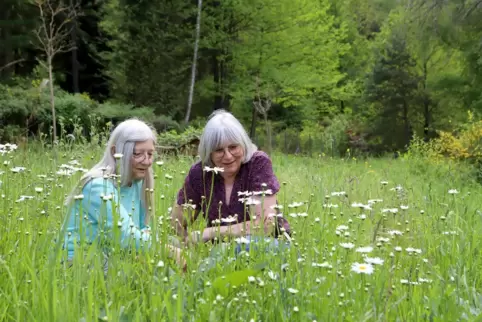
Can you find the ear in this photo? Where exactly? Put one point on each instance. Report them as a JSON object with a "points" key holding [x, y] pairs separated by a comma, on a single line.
{"points": [[112, 150]]}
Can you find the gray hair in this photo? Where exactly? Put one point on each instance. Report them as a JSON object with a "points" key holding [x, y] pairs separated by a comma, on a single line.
{"points": [[122, 140], [221, 128]]}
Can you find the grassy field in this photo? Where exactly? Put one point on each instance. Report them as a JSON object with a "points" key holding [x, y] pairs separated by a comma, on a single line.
{"points": [[374, 240]]}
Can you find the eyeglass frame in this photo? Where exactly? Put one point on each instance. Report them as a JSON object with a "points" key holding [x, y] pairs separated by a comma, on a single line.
{"points": [[237, 146]]}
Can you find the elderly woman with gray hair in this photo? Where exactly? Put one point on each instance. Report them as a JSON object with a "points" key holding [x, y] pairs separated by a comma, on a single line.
{"points": [[115, 194], [233, 186]]}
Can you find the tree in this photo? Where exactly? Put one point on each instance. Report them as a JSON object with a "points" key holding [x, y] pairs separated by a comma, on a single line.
{"points": [[194, 61], [392, 87], [53, 36], [291, 51]]}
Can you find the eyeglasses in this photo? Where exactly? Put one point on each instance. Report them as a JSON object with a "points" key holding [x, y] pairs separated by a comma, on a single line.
{"points": [[141, 156], [233, 149]]}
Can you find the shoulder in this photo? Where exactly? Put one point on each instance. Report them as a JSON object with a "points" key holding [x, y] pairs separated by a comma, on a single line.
{"points": [[259, 159], [196, 171], [98, 186]]}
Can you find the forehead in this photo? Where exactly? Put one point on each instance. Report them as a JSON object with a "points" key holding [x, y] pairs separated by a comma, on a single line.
{"points": [[147, 145], [224, 138]]}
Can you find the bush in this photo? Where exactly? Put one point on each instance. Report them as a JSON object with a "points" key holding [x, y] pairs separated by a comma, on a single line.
{"points": [[462, 146]]}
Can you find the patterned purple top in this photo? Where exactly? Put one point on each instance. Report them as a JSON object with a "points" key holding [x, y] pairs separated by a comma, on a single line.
{"points": [[250, 177]]}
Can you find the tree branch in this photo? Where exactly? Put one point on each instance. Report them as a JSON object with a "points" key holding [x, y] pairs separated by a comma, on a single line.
{"points": [[11, 64]]}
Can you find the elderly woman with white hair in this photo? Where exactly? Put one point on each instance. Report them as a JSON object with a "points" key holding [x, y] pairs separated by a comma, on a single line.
{"points": [[116, 194], [233, 185]]}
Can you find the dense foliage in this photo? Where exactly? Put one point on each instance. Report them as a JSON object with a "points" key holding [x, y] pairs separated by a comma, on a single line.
{"points": [[351, 74]]}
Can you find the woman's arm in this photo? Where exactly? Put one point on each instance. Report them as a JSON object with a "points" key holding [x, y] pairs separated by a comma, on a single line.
{"points": [[178, 219], [264, 209], [100, 203]]}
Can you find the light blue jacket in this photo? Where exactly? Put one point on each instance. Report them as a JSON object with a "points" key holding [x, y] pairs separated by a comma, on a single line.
{"points": [[93, 216]]}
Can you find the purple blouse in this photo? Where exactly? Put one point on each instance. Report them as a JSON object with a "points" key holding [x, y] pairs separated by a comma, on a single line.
{"points": [[251, 177]]}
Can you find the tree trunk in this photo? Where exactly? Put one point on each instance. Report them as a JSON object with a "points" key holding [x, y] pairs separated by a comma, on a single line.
{"points": [[408, 136], [194, 61], [221, 101], [52, 100], [254, 117], [75, 61], [268, 133], [426, 105]]}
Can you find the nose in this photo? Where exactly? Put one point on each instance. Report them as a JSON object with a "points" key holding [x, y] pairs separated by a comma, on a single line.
{"points": [[227, 154], [147, 161]]}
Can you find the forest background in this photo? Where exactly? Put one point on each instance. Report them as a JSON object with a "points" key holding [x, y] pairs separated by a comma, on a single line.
{"points": [[326, 77]]}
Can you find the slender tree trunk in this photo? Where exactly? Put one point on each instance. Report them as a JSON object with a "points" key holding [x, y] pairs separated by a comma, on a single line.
{"points": [[426, 105], [52, 100], [194, 61], [268, 133], [254, 116], [75, 61], [408, 137]]}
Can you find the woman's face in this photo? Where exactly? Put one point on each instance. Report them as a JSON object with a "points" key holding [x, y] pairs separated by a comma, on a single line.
{"points": [[229, 157], [142, 158]]}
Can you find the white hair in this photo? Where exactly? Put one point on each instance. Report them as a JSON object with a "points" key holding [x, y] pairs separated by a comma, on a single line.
{"points": [[122, 140], [223, 128]]}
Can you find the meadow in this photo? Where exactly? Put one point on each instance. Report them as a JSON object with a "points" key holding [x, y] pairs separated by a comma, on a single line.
{"points": [[373, 240]]}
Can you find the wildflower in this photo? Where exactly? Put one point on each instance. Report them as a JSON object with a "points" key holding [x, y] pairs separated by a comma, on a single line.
{"points": [[292, 290], [22, 198], [374, 260], [244, 193], [342, 227], [330, 205], [264, 192], [160, 264], [118, 156], [373, 201], [407, 282], [295, 205], [453, 191], [249, 201], [216, 170], [347, 245], [363, 268], [341, 193], [272, 275], [366, 249], [159, 163], [242, 240], [324, 265], [38, 189], [230, 219], [18, 169], [395, 232], [403, 207], [360, 205], [414, 250], [390, 210], [106, 198], [383, 183]]}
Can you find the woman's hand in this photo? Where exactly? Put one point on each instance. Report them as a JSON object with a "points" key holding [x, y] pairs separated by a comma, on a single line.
{"points": [[176, 253], [193, 238]]}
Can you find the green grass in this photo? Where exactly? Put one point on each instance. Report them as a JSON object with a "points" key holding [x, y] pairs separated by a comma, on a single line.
{"points": [[34, 286]]}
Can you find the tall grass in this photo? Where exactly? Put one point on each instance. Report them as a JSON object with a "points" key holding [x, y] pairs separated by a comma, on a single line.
{"points": [[430, 251]]}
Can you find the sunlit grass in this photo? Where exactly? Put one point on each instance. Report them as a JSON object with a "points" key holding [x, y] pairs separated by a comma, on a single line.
{"points": [[422, 244]]}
